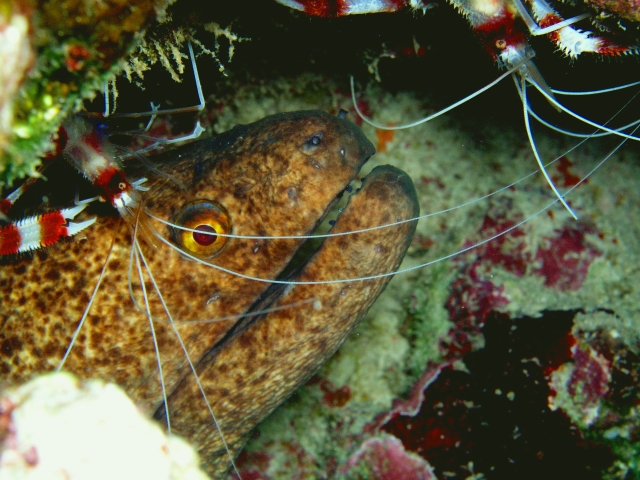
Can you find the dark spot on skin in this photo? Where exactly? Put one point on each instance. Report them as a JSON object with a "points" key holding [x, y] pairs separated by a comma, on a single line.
{"points": [[20, 270], [251, 354], [322, 344], [241, 191], [68, 266], [9, 345], [49, 350], [246, 341], [316, 330], [52, 275], [80, 285], [97, 339]]}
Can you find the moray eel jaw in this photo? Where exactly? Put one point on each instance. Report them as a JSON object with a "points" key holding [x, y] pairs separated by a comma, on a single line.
{"points": [[278, 176]]}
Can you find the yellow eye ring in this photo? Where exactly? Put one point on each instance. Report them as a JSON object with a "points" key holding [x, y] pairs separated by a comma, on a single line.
{"points": [[209, 219]]}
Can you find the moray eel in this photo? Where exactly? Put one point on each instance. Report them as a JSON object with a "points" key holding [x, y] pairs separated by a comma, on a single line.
{"points": [[278, 176]]}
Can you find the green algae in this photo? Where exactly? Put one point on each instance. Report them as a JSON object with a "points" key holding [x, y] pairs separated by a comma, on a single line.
{"points": [[68, 52]]}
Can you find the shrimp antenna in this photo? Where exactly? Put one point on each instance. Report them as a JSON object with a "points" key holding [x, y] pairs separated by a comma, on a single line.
{"points": [[599, 126], [147, 311], [521, 86], [186, 353], [87, 308], [379, 126]]}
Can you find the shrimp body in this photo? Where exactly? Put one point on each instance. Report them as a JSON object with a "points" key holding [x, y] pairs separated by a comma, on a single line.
{"points": [[487, 17]]}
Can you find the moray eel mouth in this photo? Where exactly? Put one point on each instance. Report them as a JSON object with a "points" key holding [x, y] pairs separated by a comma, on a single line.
{"points": [[267, 184]]}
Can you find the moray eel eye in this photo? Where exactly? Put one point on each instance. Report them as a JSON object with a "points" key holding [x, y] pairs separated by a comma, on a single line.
{"points": [[209, 219]]}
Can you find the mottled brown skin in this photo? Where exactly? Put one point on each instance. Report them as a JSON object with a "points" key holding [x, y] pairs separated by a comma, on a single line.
{"points": [[273, 179]]}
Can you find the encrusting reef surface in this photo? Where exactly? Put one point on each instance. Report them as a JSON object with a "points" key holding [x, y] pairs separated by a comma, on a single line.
{"points": [[519, 358]]}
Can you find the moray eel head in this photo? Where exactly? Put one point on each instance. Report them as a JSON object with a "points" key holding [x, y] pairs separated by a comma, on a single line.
{"points": [[208, 299]]}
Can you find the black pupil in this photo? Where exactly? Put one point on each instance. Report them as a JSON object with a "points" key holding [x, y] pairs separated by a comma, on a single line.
{"points": [[207, 237]]}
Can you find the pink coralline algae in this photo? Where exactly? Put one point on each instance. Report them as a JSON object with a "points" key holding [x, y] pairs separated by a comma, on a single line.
{"points": [[473, 296], [335, 397], [586, 382], [591, 374], [564, 262], [386, 459], [471, 302]]}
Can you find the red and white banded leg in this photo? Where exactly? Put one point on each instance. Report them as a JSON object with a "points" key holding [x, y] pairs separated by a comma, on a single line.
{"points": [[7, 203], [572, 41], [41, 231]]}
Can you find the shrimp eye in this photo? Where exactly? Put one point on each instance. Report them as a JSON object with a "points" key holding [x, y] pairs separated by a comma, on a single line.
{"points": [[207, 220], [312, 143], [501, 44], [122, 186]]}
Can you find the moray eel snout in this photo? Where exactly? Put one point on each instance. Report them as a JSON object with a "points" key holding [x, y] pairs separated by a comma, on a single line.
{"points": [[276, 177]]}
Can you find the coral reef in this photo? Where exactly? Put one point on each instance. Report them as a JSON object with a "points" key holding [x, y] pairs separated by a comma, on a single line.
{"points": [[515, 356]]}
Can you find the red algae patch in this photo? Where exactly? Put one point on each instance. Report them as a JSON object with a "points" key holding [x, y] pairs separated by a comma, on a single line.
{"points": [[386, 459]]}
